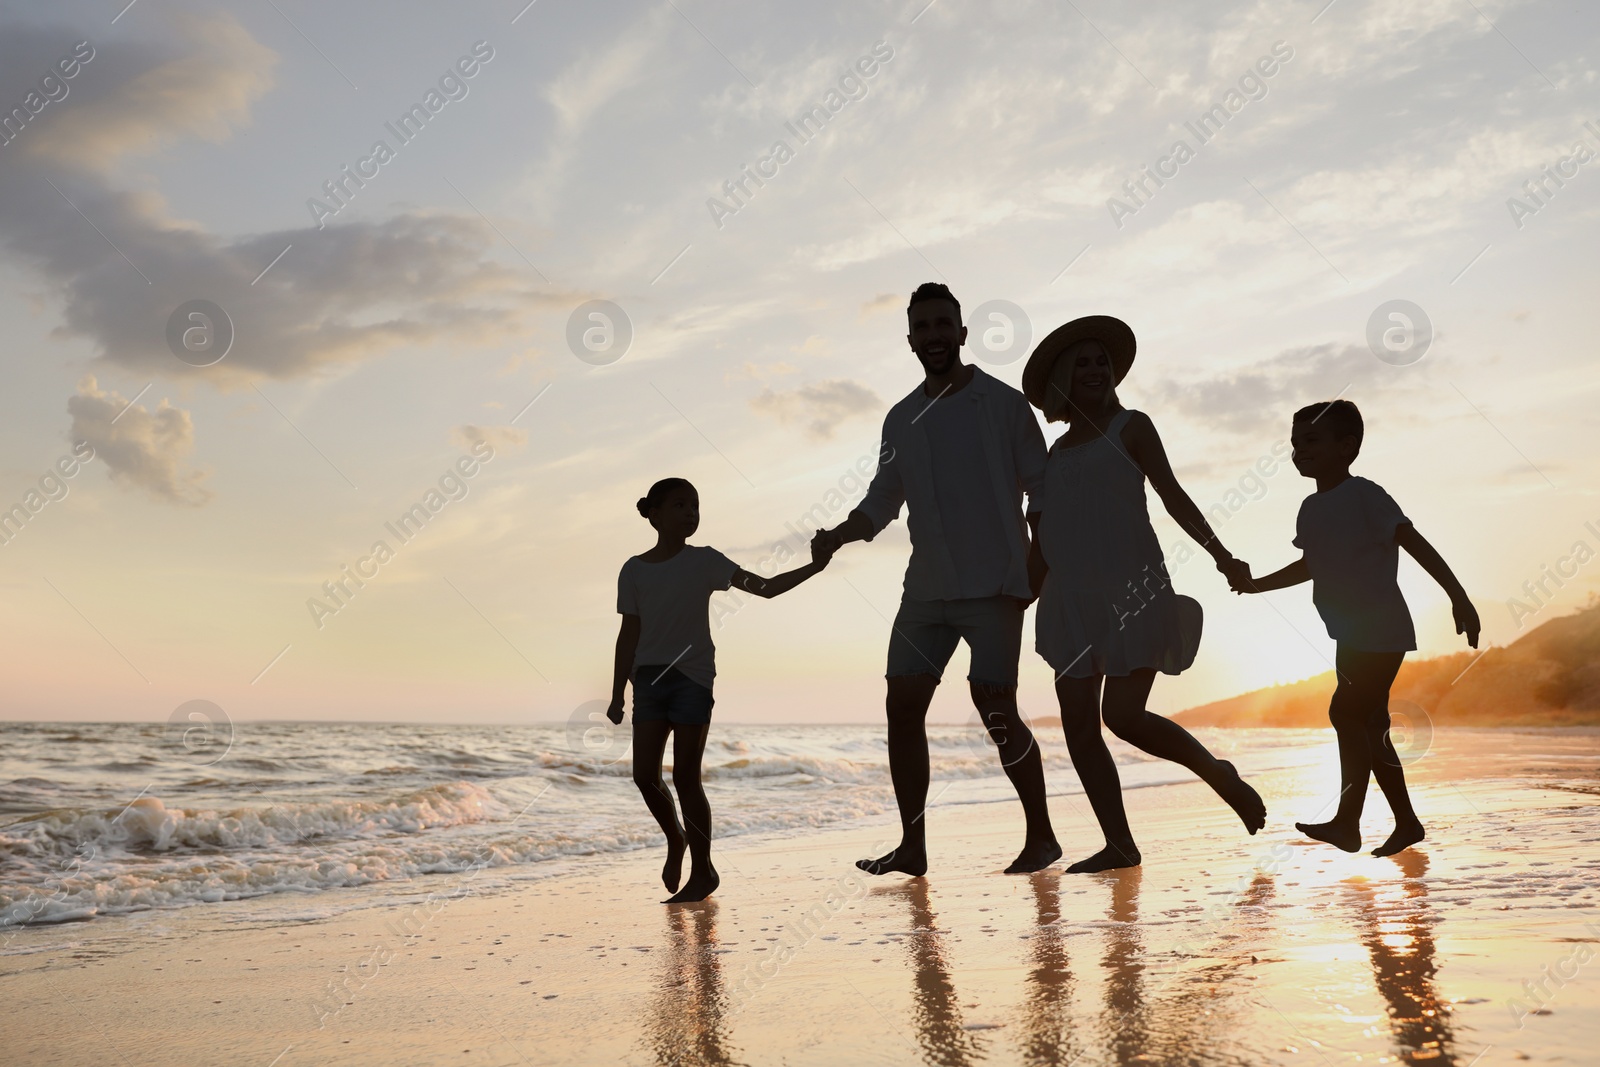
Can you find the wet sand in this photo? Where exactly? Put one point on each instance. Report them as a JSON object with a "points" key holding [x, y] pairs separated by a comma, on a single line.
{"points": [[1475, 947]]}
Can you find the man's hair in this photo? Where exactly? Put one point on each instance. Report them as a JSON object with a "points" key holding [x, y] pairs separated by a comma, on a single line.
{"points": [[933, 291], [1341, 416], [658, 494]]}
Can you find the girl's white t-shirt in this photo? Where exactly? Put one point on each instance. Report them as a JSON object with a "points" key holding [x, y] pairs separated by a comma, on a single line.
{"points": [[672, 599]]}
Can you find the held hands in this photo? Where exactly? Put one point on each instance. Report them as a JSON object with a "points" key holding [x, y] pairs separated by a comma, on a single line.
{"points": [[824, 543], [1237, 571], [1466, 618]]}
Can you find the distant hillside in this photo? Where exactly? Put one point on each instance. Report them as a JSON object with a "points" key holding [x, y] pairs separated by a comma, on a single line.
{"points": [[1548, 677]]}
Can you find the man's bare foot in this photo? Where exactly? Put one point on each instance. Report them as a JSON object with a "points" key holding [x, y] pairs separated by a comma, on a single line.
{"points": [[1035, 857], [905, 860], [1404, 836], [1108, 859], [672, 871], [1243, 799], [1335, 834], [696, 889]]}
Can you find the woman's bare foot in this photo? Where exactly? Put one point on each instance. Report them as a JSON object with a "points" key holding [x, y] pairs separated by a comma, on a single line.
{"points": [[1335, 834], [672, 871], [1405, 835], [1243, 799], [906, 859], [697, 888], [1035, 857], [1108, 859]]}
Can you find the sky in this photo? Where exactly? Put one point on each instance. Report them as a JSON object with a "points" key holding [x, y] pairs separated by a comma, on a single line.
{"points": [[605, 242]]}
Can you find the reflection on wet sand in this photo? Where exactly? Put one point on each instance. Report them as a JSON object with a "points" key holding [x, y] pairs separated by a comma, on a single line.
{"points": [[1397, 928], [684, 1025], [1046, 1029], [935, 1011]]}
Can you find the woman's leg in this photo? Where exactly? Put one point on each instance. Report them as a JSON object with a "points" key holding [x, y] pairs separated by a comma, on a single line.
{"points": [[1123, 707], [1080, 720], [649, 743], [688, 748]]}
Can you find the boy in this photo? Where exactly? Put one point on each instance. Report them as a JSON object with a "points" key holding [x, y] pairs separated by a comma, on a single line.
{"points": [[1350, 532]]}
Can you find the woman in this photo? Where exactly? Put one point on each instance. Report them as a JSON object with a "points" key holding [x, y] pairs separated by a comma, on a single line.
{"points": [[1108, 618]]}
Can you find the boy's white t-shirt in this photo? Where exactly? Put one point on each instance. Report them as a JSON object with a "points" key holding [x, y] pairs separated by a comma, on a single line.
{"points": [[1347, 535], [672, 599]]}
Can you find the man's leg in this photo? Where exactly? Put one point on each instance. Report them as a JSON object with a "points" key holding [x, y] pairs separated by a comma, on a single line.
{"points": [[992, 628], [907, 708], [1019, 755]]}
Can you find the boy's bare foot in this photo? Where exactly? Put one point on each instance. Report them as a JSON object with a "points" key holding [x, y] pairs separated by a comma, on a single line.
{"points": [[1108, 859], [1335, 834], [1404, 836], [905, 860], [1243, 799], [1035, 857], [696, 889], [672, 871]]}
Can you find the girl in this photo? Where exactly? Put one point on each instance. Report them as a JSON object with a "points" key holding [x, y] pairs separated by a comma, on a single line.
{"points": [[665, 647], [1108, 618]]}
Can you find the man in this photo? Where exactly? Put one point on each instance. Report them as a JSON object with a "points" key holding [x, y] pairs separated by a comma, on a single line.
{"points": [[963, 449]]}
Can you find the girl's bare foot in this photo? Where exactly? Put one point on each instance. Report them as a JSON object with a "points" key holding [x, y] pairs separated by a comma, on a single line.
{"points": [[1335, 834], [906, 859], [1405, 835], [1035, 857], [672, 871], [1243, 799], [1108, 859], [696, 889]]}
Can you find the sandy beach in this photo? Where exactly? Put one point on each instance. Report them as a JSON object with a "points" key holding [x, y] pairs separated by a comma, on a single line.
{"points": [[1472, 948]]}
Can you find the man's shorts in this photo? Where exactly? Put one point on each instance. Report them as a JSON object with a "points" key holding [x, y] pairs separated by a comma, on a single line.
{"points": [[665, 694], [926, 633]]}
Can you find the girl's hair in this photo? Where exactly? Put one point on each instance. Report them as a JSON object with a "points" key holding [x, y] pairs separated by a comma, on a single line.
{"points": [[658, 493]]}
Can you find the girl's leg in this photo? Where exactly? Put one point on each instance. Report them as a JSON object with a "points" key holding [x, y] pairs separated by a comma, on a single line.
{"points": [[1123, 707], [1080, 720], [649, 742], [688, 748]]}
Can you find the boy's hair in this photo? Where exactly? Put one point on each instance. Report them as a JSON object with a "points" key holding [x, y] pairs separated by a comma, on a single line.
{"points": [[658, 493], [933, 291], [1342, 417]]}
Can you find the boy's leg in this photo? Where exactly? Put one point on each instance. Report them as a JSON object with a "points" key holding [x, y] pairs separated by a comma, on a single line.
{"points": [[1080, 721], [1386, 766], [688, 749], [649, 743], [1360, 704], [1123, 706], [992, 628]]}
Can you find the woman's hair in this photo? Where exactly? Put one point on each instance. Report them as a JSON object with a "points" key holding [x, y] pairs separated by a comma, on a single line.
{"points": [[658, 493]]}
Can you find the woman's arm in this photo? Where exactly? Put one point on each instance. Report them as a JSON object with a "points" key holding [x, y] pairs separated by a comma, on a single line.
{"points": [[1466, 616], [1144, 445], [627, 644], [1037, 567]]}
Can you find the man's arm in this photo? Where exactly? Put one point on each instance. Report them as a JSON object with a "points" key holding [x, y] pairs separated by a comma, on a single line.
{"points": [[1037, 567], [1466, 616], [884, 498], [627, 644]]}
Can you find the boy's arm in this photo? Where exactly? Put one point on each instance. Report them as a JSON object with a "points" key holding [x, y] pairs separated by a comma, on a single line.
{"points": [[627, 644], [1466, 616], [1293, 574]]}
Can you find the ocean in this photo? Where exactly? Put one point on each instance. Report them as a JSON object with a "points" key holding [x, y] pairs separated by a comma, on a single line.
{"points": [[104, 819]]}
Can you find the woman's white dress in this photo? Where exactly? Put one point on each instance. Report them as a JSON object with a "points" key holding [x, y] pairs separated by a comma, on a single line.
{"points": [[1107, 606]]}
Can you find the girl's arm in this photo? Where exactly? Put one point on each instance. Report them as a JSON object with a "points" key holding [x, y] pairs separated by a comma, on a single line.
{"points": [[1144, 445], [1466, 616], [767, 588], [627, 644]]}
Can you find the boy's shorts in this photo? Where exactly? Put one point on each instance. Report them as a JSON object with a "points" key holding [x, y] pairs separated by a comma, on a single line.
{"points": [[665, 694], [926, 633]]}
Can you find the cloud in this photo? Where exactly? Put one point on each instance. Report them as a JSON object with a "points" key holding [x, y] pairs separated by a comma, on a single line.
{"points": [[143, 449], [881, 302], [496, 436], [822, 406], [1263, 396]]}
